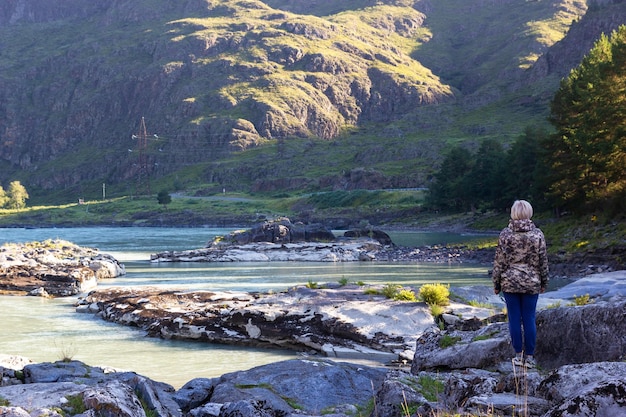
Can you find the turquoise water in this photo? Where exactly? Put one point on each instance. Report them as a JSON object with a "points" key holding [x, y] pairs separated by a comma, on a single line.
{"points": [[49, 330]]}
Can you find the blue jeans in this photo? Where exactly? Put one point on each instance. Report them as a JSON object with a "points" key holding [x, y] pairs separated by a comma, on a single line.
{"points": [[521, 310]]}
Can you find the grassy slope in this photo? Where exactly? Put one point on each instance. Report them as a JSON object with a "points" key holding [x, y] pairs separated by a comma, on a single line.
{"points": [[408, 147]]}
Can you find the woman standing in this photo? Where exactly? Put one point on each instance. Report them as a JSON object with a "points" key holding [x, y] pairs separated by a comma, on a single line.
{"points": [[520, 271]]}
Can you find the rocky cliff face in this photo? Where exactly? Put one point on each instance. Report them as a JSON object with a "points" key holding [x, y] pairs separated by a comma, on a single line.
{"points": [[210, 77]]}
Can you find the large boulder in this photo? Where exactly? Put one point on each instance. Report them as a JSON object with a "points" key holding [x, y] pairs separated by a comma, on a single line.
{"points": [[378, 235], [565, 335], [458, 349], [280, 230], [71, 387], [580, 334], [309, 386], [586, 390], [343, 321]]}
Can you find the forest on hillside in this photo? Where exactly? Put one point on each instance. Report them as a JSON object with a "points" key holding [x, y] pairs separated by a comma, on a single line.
{"points": [[580, 167]]}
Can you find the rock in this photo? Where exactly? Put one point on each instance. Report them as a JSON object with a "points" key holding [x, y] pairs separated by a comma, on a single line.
{"points": [[13, 362], [480, 384], [579, 334], [483, 348], [279, 230], [51, 386], [310, 386], [396, 391], [323, 387], [607, 286], [565, 335], [117, 398], [281, 240], [586, 390], [340, 251], [53, 268], [341, 321]]}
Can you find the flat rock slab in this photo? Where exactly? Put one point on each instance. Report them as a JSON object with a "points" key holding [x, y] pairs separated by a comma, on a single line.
{"points": [[344, 322]]}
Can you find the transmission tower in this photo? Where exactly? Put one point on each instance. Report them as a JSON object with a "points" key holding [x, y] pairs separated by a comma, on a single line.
{"points": [[143, 182]]}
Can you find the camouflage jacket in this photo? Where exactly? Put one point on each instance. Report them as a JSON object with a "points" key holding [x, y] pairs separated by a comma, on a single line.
{"points": [[521, 261]]}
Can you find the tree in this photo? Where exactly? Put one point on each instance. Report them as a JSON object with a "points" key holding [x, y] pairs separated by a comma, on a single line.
{"points": [[524, 172], [587, 155], [450, 190], [4, 199], [17, 195], [163, 197], [487, 178]]}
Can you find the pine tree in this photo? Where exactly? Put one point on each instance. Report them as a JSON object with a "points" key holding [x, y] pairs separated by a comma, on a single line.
{"points": [[587, 155], [450, 190]]}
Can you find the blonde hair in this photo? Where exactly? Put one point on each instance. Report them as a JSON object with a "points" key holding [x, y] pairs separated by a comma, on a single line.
{"points": [[521, 210]]}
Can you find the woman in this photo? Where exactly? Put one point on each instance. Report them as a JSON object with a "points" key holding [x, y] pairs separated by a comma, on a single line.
{"points": [[520, 271]]}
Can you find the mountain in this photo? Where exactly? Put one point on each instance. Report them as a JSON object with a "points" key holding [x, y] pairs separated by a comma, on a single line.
{"points": [[272, 95]]}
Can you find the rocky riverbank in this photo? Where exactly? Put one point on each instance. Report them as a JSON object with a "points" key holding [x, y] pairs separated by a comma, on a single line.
{"points": [[458, 362], [55, 268], [580, 352]]}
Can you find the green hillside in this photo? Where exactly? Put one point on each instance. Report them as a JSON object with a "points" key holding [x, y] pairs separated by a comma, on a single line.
{"points": [[274, 96]]}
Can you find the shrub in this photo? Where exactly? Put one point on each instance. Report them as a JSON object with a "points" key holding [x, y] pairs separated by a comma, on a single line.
{"points": [[435, 294], [312, 285], [390, 290], [75, 404], [582, 300], [436, 310], [405, 295], [371, 291]]}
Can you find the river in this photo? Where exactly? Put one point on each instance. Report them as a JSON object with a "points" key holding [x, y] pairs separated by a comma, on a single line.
{"points": [[49, 329]]}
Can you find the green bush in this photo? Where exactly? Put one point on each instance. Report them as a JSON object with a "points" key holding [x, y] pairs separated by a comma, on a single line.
{"points": [[390, 290], [405, 295], [435, 294], [581, 300]]}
